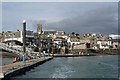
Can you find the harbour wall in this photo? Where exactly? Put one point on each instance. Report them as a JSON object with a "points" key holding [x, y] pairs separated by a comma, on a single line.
{"points": [[100, 51]]}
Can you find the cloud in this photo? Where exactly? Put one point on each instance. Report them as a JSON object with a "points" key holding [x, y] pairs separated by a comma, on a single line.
{"points": [[99, 20], [60, 0], [78, 17]]}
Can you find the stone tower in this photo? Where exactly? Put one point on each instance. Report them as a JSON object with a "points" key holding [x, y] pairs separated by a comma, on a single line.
{"points": [[39, 28]]}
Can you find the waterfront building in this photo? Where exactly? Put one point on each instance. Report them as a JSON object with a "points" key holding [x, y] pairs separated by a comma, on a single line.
{"points": [[16, 38], [74, 35], [89, 40], [49, 32], [104, 44], [112, 36], [82, 46], [2, 37], [73, 39], [61, 34], [72, 42], [116, 45], [105, 37], [45, 42], [29, 38], [12, 38], [115, 40], [77, 43], [87, 34], [100, 35], [36, 37], [60, 42]]}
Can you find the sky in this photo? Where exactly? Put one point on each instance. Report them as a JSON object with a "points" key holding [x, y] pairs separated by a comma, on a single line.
{"points": [[79, 17]]}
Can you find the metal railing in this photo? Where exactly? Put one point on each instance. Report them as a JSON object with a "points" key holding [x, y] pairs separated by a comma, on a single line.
{"points": [[15, 49]]}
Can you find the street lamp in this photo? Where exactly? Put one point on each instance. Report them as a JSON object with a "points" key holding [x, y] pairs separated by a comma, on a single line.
{"points": [[39, 45], [48, 45], [12, 38], [53, 45]]}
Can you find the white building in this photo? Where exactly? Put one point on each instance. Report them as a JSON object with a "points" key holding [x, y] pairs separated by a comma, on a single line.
{"points": [[94, 35], [72, 42], [114, 36], [104, 44], [60, 42], [18, 36], [9, 35]]}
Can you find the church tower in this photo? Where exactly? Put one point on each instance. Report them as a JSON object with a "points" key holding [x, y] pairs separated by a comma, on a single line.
{"points": [[39, 28]]}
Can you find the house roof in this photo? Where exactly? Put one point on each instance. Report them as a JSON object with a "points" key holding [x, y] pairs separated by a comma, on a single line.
{"points": [[59, 39], [88, 38]]}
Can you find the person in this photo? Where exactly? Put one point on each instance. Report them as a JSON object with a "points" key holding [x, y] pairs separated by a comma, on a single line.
{"points": [[28, 58], [18, 59], [15, 60], [80, 53]]}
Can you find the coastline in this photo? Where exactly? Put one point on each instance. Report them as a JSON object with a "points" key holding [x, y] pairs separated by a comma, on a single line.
{"points": [[13, 55], [97, 52], [87, 52], [77, 55]]}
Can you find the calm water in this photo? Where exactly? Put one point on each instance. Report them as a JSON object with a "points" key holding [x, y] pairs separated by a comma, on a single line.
{"points": [[76, 67]]}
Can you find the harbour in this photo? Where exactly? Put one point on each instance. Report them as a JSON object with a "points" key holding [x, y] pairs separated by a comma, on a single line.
{"points": [[59, 41], [75, 67]]}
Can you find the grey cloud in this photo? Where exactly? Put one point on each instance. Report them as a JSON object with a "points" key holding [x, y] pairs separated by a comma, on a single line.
{"points": [[101, 20], [32, 24], [77, 17]]}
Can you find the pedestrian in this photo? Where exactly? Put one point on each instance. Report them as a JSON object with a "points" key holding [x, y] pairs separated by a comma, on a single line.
{"points": [[18, 59]]}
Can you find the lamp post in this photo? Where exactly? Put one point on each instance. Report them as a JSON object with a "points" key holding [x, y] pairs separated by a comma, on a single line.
{"points": [[39, 45], [48, 45], [24, 39], [12, 38], [53, 47]]}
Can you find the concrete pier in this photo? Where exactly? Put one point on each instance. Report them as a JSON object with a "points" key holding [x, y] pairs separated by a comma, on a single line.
{"points": [[20, 68]]}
